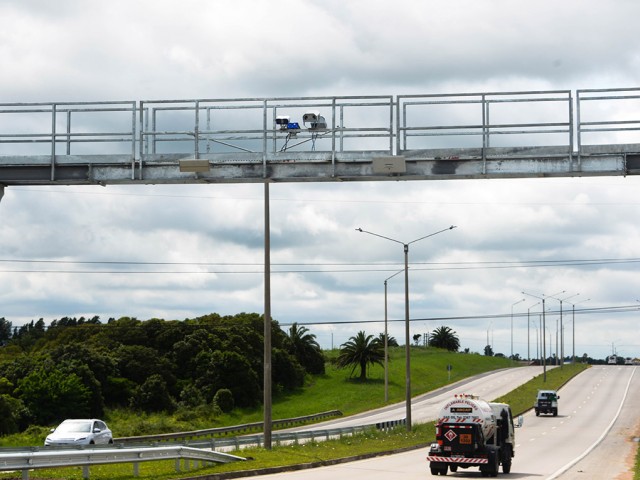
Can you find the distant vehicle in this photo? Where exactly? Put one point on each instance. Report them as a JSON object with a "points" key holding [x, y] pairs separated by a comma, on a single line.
{"points": [[612, 359], [628, 361], [80, 432], [546, 402]]}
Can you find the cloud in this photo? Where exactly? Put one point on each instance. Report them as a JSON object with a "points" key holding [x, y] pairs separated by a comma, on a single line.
{"points": [[199, 248]]}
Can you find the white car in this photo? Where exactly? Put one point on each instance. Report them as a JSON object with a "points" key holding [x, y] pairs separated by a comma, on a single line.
{"points": [[80, 432]]}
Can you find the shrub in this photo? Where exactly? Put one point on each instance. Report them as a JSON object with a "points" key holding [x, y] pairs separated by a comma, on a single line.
{"points": [[223, 399], [153, 396]]}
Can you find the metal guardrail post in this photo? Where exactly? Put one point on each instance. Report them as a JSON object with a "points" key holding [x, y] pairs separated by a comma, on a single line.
{"points": [[196, 131], [571, 129], [143, 115], [53, 141]]}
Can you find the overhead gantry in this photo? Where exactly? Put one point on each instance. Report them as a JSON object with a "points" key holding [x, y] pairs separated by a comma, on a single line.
{"points": [[322, 139]]}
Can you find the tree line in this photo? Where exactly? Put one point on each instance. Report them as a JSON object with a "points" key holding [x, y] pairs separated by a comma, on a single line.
{"points": [[77, 367]]}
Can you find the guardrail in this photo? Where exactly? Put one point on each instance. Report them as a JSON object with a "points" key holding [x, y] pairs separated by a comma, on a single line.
{"points": [[211, 432], [58, 458], [199, 450]]}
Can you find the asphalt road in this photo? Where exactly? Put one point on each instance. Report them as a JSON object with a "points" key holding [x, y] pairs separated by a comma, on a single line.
{"points": [[589, 439]]}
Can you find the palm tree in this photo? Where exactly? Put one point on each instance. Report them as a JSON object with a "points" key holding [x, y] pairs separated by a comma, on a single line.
{"points": [[301, 339], [391, 341], [360, 351], [303, 346], [444, 337]]}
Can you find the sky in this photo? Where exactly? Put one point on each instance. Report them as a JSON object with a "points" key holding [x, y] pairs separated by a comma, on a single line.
{"points": [[180, 251]]}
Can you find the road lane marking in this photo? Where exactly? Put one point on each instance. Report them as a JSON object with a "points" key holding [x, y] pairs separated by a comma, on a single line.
{"points": [[599, 440]]}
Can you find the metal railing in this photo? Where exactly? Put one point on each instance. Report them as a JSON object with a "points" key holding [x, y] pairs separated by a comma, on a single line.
{"points": [[236, 429], [607, 116], [250, 129], [541, 114], [87, 457]]}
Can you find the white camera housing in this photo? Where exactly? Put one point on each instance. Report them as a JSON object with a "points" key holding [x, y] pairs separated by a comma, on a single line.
{"points": [[310, 117], [315, 120]]}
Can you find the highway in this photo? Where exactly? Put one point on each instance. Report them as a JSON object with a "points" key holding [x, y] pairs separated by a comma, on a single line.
{"points": [[589, 439]]}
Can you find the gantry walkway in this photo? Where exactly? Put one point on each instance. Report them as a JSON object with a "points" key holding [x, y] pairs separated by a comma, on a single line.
{"points": [[405, 137]]}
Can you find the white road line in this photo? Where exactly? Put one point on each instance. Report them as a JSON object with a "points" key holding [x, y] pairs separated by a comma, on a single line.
{"points": [[597, 442]]}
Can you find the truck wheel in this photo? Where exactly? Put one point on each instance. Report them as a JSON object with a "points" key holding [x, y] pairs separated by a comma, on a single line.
{"points": [[493, 472], [453, 468], [555, 412], [439, 470], [506, 460], [537, 412], [506, 466]]}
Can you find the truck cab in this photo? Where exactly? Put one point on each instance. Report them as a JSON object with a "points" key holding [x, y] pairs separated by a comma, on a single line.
{"points": [[546, 402]]}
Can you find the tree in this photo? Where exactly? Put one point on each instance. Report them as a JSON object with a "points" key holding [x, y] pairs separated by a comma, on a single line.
{"points": [[153, 396], [488, 351], [391, 341], [444, 337], [5, 331], [52, 395], [360, 351], [303, 345], [416, 338], [287, 373], [232, 371], [13, 415]]}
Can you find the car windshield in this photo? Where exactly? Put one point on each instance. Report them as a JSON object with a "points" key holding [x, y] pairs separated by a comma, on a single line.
{"points": [[79, 426]]}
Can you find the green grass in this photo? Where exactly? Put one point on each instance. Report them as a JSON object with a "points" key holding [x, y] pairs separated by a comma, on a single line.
{"points": [[332, 391]]}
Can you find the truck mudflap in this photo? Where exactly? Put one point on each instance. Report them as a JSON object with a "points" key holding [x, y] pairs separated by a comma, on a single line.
{"points": [[458, 460]]}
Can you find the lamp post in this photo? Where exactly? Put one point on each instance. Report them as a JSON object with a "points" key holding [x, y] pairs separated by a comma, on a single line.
{"points": [[573, 326], [528, 329], [513, 305], [267, 388], [406, 312], [561, 328], [386, 341], [543, 328]]}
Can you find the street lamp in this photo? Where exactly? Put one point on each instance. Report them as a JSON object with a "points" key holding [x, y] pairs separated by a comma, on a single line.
{"points": [[528, 330], [406, 312], [386, 341], [561, 328], [543, 328], [513, 305], [573, 325]]}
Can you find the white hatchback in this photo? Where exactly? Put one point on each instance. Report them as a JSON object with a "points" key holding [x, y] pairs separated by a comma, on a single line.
{"points": [[80, 432]]}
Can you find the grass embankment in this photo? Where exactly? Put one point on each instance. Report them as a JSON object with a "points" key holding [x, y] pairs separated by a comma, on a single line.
{"points": [[332, 391], [336, 391]]}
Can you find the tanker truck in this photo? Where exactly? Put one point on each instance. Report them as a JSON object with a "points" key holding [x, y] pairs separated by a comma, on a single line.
{"points": [[471, 432]]}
